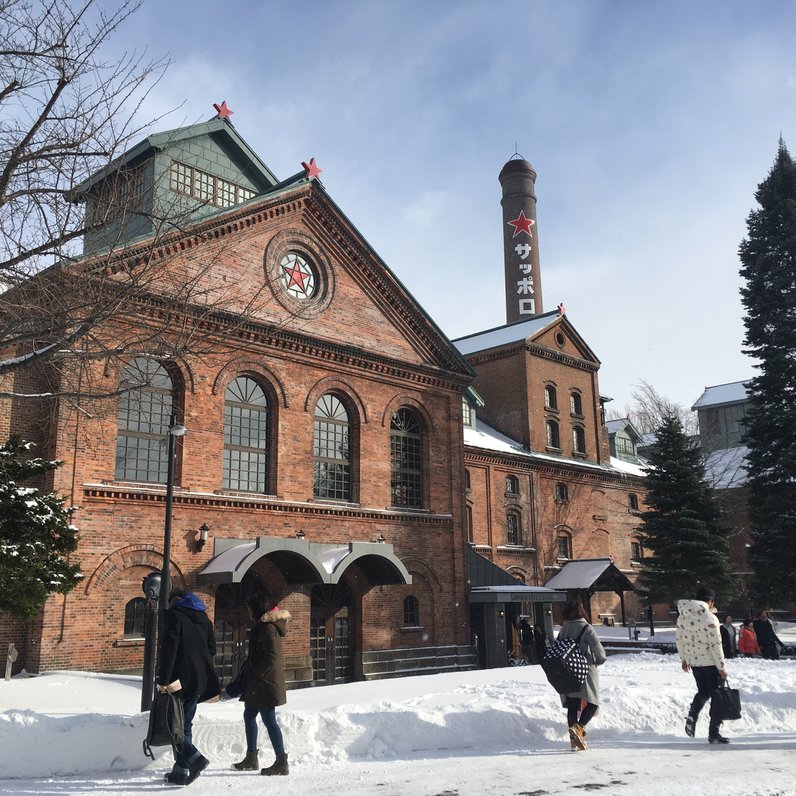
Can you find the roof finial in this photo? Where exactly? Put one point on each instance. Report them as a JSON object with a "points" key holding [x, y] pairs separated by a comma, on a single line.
{"points": [[516, 155], [222, 111]]}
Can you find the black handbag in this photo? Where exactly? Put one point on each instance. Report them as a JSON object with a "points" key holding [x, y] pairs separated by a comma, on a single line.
{"points": [[166, 723], [235, 687], [725, 703]]}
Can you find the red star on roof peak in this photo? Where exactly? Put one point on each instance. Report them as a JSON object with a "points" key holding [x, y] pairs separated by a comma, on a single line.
{"points": [[311, 169], [521, 224], [562, 309], [223, 111]]}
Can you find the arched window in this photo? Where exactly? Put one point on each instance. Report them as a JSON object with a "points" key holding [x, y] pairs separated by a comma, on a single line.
{"points": [[467, 479], [145, 408], [562, 493], [575, 404], [553, 440], [512, 485], [411, 612], [406, 456], [331, 450], [245, 465], [550, 397], [632, 502], [134, 613], [513, 528], [636, 550], [468, 518], [578, 440], [564, 546]]}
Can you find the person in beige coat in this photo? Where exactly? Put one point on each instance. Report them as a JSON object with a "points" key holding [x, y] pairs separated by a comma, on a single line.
{"points": [[698, 640]]}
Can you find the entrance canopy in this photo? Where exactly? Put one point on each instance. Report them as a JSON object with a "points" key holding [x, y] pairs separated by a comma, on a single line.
{"points": [[301, 561], [490, 583], [592, 575]]}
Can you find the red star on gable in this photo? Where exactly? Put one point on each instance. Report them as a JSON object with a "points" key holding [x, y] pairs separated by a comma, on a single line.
{"points": [[297, 276], [223, 111], [521, 224], [310, 169], [561, 309]]}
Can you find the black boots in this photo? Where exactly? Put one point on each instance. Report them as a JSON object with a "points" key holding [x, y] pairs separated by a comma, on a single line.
{"points": [[279, 767], [249, 763]]}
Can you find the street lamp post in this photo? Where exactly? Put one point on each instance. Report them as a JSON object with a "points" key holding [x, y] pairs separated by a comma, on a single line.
{"points": [[151, 587], [175, 430]]}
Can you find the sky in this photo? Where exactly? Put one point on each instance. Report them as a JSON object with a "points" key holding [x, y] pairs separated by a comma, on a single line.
{"points": [[649, 125], [499, 731]]}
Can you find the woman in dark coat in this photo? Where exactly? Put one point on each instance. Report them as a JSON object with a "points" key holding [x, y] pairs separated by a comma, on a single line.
{"points": [[264, 683], [770, 645], [574, 622]]}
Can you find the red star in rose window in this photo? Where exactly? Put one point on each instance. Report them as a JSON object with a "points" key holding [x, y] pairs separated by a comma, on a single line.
{"points": [[521, 224], [311, 169], [297, 276], [223, 111]]}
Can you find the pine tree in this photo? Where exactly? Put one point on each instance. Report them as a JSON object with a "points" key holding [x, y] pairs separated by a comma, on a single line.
{"points": [[35, 535], [682, 528], [768, 258]]}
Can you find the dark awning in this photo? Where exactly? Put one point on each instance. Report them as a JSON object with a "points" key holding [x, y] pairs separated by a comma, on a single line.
{"points": [[301, 561], [592, 575], [489, 583]]}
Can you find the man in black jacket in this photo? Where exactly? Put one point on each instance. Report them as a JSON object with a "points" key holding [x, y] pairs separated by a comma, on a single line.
{"points": [[186, 669]]}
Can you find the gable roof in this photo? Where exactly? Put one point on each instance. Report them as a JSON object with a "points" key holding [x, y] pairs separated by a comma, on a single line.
{"points": [[623, 424], [722, 394], [590, 574]]}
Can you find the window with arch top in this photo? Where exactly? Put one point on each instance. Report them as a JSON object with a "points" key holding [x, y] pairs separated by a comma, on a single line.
{"points": [[553, 440], [576, 404], [331, 450], [512, 485], [145, 409], [134, 615], [578, 440], [564, 546], [245, 466], [513, 529], [550, 397], [406, 459], [411, 612], [632, 502]]}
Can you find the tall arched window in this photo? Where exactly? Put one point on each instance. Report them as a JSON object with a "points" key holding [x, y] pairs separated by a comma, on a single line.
{"points": [[513, 529], [575, 404], [553, 440], [578, 440], [145, 408], [411, 612], [512, 485], [245, 465], [134, 613], [632, 502], [331, 450], [468, 518], [564, 545], [406, 457], [550, 397]]}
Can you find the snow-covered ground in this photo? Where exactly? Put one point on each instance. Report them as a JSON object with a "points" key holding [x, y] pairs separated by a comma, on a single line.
{"points": [[500, 731]]}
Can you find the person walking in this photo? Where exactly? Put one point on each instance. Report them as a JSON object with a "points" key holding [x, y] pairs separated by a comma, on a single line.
{"points": [[728, 637], [582, 705], [770, 645], [699, 644], [747, 640], [526, 641], [186, 670], [539, 641], [264, 684]]}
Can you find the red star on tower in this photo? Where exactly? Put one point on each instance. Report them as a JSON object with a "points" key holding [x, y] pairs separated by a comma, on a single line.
{"points": [[310, 169], [521, 224], [297, 276], [223, 111]]}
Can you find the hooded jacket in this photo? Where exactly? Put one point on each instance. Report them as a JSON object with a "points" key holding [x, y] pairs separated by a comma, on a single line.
{"points": [[697, 635], [186, 654], [264, 680]]}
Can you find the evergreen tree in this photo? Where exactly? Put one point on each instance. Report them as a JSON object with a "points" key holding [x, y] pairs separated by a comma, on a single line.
{"points": [[768, 258], [35, 535], [682, 528]]}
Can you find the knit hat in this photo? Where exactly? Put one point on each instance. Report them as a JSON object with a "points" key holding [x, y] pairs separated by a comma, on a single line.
{"points": [[705, 594]]}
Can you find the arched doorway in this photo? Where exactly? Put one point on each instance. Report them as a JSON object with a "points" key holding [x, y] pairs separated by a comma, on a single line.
{"points": [[331, 633], [232, 625]]}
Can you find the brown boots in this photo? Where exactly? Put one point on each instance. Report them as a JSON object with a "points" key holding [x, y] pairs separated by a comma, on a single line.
{"points": [[279, 767], [577, 736], [249, 763]]}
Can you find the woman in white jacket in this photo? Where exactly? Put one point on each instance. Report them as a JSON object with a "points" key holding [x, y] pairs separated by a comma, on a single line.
{"points": [[699, 643]]}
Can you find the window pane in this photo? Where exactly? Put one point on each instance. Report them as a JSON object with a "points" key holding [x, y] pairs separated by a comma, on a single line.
{"points": [[331, 452], [406, 456], [245, 465]]}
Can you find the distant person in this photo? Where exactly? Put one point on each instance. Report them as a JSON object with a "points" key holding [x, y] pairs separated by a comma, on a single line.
{"points": [[264, 683], [770, 645], [539, 642], [186, 670], [728, 637], [588, 696], [526, 641], [747, 640], [699, 644]]}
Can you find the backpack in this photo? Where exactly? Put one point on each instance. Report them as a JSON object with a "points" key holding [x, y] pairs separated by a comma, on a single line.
{"points": [[166, 723], [565, 664]]}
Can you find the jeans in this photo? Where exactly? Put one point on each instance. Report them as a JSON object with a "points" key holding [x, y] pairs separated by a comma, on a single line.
{"points": [[707, 681], [268, 715], [573, 708], [189, 753]]}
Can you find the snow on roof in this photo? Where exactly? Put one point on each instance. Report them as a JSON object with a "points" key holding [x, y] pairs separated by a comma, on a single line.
{"points": [[579, 574], [732, 393], [487, 438], [502, 335], [726, 468]]}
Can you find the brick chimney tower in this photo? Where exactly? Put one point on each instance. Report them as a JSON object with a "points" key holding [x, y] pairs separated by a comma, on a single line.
{"points": [[520, 241]]}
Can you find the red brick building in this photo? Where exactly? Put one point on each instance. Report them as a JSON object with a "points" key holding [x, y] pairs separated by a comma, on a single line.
{"points": [[324, 458]]}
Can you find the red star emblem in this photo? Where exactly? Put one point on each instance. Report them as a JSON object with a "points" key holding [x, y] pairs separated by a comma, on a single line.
{"points": [[521, 224], [297, 276], [311, 169], [223, 111], [561, 309]]}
